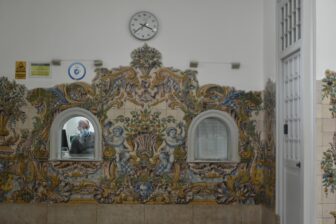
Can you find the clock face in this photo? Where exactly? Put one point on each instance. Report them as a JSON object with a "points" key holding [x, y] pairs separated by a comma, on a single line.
{"points": [[143, 25]]}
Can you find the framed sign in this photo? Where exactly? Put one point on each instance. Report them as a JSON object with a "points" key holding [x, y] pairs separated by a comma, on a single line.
{"points": [[20, 69], [40, 70]]}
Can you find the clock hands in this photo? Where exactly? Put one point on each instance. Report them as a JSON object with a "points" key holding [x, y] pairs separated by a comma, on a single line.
{"points": [[140, 28], [146, 25], [142, 25]]}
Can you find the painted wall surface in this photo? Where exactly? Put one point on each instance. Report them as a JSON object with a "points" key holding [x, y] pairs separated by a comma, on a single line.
{"points": [[325, 37], [145, 111], [134, 214], [269, 40], [206, 31]]}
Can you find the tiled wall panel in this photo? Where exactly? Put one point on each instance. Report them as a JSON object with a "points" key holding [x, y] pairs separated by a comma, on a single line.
{"points": [[325, 128]]}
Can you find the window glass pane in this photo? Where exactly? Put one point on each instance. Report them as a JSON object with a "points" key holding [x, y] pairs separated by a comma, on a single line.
{"points": [[211, 140], [78, 139]]}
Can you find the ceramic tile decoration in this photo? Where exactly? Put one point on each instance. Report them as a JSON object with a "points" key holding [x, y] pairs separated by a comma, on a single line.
{"points": [[138, 165], [325, 145], [328, 161]]}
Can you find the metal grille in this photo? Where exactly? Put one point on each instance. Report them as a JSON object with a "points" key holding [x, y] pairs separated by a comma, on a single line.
{"points": [[290, 21], [292, 104]]}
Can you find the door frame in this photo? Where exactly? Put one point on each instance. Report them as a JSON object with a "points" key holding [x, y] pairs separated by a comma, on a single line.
{"points": [[308, 49]]}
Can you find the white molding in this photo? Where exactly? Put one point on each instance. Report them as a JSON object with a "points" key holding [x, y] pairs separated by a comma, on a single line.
{"points": [[308, 51], [279, 153], [309, 102], [233, 135], [280, 163], [56, 131]]}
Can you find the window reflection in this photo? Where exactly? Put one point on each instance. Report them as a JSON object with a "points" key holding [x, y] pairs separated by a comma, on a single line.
{"points": [[213, 137], [78, 139], [212, 140]]}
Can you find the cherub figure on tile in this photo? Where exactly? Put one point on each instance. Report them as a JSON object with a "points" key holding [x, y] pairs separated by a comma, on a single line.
{"points": [[116, 139], [175, 137]]}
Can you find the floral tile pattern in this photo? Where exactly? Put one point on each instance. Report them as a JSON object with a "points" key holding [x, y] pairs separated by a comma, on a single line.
{"points": [[328, 163], [144, 111]]}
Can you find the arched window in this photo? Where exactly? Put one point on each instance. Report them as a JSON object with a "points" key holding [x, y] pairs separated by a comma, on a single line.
{"points": [[213, 137], [75, 135]]}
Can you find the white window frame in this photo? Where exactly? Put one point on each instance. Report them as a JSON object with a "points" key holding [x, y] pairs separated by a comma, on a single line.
{"points": [[56, 133], [233, 135]]}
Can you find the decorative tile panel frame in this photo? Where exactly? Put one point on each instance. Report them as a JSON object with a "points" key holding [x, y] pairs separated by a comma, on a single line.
{"points": [[136, 106]]}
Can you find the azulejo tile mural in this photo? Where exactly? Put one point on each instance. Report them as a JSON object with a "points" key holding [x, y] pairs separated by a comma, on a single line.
{"points": [[328, 163], [144, 111]]}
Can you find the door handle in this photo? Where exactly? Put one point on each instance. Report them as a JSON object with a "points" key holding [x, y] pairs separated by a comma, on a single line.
{"points": [[298, 164], [285, 129]]}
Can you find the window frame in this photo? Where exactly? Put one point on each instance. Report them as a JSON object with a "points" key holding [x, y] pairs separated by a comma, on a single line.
{"points": [[232, 131], [55, 153]]}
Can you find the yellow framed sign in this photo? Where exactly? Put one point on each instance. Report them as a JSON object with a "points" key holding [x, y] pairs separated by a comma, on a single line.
{"points": [[40, 70], [20, 70]]}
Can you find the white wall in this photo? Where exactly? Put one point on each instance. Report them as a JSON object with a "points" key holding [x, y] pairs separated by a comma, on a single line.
{"points": [[213, 30], [269, 35], [325, 37]]}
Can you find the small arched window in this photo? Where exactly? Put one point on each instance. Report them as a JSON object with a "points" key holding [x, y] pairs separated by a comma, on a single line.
{"points": [[75, 135], [213, 137]]}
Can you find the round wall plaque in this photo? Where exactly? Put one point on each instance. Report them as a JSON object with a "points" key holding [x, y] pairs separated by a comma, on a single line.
{"points": [[76, 71]]}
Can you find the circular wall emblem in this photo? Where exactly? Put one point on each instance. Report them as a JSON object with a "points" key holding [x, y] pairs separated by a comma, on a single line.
{"points": [[77, 71]]}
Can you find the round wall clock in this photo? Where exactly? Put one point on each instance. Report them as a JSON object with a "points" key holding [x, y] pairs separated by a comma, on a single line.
{"points": [[143, 25], [76, 71]]}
